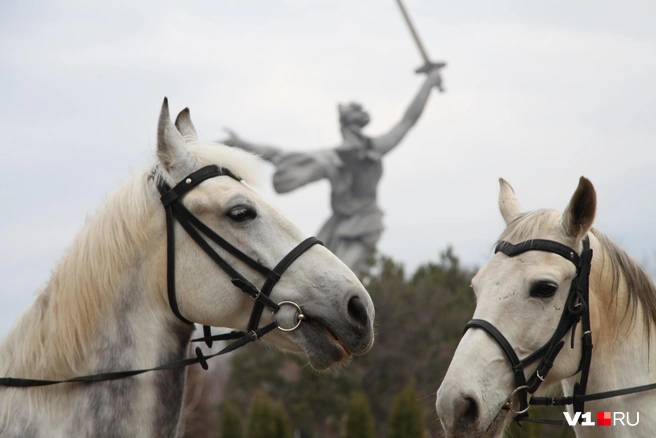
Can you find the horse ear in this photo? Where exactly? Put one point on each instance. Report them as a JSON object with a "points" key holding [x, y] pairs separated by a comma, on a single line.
{"points": [[580, 212], [171, 149], [185, 126], [509, 205]]}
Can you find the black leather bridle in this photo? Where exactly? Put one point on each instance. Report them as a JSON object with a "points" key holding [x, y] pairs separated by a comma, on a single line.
{"points": [[175, 210], [576, 310]]}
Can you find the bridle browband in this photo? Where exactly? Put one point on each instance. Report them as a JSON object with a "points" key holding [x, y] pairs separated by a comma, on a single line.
{"points": [[175, 210], [576, 310]]}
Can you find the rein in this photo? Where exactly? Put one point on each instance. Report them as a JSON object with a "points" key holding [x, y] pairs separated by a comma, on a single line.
{"points": [[576, 310], [175, 210]]}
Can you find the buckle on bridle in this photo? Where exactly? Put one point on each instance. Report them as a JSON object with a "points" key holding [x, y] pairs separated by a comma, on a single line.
{"points": [[300, 317]]}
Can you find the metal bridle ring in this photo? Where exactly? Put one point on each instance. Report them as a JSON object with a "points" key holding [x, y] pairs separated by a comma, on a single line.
{"points": [[300, 317], [512, 394]]}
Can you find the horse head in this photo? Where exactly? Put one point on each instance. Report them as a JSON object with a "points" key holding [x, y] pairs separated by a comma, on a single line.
{"points": [[521, 294], [337, 313]]}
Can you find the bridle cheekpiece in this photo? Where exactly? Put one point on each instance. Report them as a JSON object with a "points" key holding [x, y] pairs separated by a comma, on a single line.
{"points": [[175, 210]]}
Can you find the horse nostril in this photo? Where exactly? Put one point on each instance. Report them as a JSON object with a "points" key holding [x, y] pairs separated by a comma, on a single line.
{"points": [[358, 311], [467, 411]]}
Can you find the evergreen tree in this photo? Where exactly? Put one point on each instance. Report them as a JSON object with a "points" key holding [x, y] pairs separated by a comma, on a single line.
{"points": [[406, 417], [281, 421], [230, 421], [261, 423], [359, 421]]}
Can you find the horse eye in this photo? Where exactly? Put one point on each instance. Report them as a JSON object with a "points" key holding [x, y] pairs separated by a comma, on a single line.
{"points": [[241, 213], [543, 289]]}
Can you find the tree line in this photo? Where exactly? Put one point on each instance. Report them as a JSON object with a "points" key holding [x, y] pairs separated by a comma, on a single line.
{"points": [[268, 419]]}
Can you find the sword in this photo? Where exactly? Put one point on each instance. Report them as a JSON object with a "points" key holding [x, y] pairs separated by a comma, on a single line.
{"points": [[428, 64]]}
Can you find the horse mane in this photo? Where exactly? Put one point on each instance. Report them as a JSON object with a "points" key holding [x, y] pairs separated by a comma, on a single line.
{"points": [[55, 332], [640, 287], [622, 269]]}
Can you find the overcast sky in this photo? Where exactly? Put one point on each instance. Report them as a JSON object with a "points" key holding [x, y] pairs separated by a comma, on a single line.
{"points": [[538, 93]]}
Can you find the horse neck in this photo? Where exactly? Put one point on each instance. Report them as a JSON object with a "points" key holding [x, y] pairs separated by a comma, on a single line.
{"points": [[621, 357], [104, 310]]}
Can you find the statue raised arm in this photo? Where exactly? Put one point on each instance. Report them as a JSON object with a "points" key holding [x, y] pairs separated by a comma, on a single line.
{"points": [[386, 142], [353, 168], [293, 169], [269, 153]]}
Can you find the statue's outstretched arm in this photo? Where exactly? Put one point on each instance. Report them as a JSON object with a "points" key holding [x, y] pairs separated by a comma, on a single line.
{"points": [[387, 142], [269, 153]]}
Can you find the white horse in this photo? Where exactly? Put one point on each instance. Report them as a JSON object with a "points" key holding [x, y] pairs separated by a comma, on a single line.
{"points": [[522, 292], [106, 307]]}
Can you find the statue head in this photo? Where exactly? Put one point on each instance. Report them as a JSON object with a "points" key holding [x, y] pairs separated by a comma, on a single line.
{"points": [[352, 113]]}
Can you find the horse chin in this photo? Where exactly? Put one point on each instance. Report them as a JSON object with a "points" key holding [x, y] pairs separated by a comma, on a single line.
{"points": [[494, 429], [322, 347]]}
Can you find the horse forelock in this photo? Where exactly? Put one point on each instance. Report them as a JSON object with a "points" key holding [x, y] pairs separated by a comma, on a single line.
{"points": [[531, 225], [620, 271]]}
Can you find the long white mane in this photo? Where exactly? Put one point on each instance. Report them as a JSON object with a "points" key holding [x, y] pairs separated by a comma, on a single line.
{"points": [[52, 336]]}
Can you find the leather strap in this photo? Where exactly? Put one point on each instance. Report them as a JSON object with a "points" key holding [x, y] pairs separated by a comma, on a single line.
{"points": [[275, 274], [538, 245], [242, 339]]}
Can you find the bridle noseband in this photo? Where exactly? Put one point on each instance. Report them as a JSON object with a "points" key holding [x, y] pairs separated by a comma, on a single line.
{"points": [[576, 309], [175, 210]]}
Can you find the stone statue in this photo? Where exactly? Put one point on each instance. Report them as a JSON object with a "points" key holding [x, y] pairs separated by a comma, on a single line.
{"points": [[353, 168]]}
